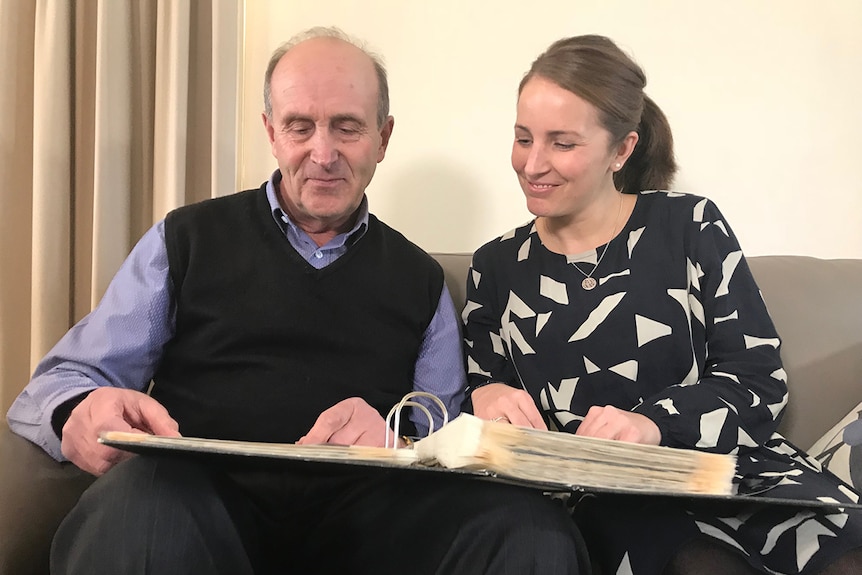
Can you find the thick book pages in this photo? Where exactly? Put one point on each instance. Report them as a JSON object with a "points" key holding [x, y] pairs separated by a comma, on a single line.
{"points": [[478, 449], [566, 459]]}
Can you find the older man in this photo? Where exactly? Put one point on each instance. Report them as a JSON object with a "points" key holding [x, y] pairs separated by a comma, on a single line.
{"points": [[287, 313]]}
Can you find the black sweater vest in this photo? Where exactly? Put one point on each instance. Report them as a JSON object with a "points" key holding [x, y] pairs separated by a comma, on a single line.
{"points": [[264, 342]]}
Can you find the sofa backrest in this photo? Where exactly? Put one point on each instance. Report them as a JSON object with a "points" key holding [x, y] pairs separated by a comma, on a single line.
{"points": [[816, 305]]}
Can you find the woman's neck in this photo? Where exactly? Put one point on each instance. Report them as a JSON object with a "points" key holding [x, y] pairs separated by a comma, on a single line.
{"points": [[586, 229]]}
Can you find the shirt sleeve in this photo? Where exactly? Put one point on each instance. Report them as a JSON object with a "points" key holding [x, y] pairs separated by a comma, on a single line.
{"points": [[118, 344], [736, 400], [440, 365]]}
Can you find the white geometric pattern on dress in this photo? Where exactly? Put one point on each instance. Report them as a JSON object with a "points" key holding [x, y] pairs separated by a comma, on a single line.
{"points": [[752, 341], [711, 424], [776, 532], [776, 408], [848, 493], [553, 290], [681, 297], [590, 366], [469, 307], [541, 320], [561, 399], [587, 257], [627, 369], [508, 235], [476, 277], [517, 306], [708, 529], [524, 251], [728, 266], [744, 439], [514, 336], [734, 522], [616, 275], [734, 315], [837, 519], [649, 330], [697, 212], [473, 367], [625, 567], [779, 374], [511, 334], [668, 406], [693, 277], [720, 225], [597, 316], [696, 309], [497, 344], [808, 540], [632, 241], [731, 376], [566, 417]]}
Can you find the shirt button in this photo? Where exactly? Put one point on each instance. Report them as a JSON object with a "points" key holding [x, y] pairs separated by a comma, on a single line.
{"points": [[318, 255]]}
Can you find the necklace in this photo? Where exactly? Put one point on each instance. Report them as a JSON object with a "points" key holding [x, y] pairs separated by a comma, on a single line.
{"points": [[589, 281]]}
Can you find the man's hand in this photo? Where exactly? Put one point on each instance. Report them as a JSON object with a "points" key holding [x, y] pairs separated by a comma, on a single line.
{"points": [[111, 409], [608, 422], [348, 422], [497, 401]]}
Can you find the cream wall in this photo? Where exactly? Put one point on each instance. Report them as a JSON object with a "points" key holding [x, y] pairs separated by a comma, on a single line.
{"points": [[765, 99]]}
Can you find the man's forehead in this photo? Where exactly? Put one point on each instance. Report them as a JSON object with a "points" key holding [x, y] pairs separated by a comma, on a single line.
{"points": [[319, 56], [325, 71]]}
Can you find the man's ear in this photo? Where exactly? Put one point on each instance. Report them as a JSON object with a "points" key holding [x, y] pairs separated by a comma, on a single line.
{"points": [[270, 130], [385, 134]]}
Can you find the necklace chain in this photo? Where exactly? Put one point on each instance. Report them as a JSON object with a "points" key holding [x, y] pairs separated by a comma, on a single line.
{"points": [[589, 282]]}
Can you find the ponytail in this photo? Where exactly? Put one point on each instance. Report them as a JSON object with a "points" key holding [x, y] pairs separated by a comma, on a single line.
{"points": [[652, 165]]}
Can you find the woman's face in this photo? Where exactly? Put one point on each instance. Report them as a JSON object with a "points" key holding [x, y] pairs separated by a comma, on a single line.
{"points": [[561, 153]]}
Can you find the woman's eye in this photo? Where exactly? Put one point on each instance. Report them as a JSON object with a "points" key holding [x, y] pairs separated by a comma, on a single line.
{"points": [[563, 146], [523, 141]]}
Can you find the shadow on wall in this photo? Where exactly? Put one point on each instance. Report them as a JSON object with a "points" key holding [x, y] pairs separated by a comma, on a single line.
{"points": [[436, 203]]}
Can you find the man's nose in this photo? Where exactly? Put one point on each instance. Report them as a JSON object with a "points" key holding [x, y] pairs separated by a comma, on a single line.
{"points": [[324, 150]]}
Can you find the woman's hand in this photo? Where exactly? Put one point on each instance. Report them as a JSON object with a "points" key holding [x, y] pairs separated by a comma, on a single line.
{"points": [[498, 401], [608, 422]]}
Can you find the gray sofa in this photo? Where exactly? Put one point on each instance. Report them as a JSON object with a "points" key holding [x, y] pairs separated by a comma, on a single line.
{"points": [[816, 305]]}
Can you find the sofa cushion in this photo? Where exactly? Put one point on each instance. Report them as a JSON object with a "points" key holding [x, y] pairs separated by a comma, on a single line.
{"points": [[840, 449]]}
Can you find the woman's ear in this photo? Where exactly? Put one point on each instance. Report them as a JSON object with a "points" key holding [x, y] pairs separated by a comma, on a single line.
{"points": [[625, 149]]}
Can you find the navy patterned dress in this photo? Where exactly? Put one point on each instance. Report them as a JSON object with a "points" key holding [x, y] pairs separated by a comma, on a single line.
{"points": [[675, 329]]}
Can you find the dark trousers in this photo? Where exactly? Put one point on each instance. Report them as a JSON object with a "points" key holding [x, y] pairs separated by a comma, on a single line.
{"points": [[174, 516]]}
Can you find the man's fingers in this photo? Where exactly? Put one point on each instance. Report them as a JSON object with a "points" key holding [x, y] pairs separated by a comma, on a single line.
{"points": [[327, 424], [150, 416]]}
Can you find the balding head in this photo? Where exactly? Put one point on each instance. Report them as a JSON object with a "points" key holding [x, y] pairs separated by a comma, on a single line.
{"points": [[316, 37]]}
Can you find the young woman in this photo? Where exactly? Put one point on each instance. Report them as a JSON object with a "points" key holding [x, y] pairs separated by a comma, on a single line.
{"points": [[627, 313]]}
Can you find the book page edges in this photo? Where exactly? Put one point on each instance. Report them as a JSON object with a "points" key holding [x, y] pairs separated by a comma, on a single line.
{"points": [[325, 452]]}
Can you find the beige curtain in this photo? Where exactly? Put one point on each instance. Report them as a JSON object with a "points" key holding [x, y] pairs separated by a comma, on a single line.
{"points": [[112, 113]]}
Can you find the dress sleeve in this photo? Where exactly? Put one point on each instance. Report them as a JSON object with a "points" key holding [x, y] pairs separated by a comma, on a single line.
{"points": [[737, 399], [485, 350]]}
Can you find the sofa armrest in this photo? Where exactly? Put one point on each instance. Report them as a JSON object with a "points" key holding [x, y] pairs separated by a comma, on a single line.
{"points": [[36, 492]]}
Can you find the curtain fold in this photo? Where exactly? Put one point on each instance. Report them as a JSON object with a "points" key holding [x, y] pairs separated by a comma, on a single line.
{"points": [[111, 118]]}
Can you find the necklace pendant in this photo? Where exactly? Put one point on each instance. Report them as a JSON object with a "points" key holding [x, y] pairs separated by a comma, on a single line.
{"points": [[588, 284]]}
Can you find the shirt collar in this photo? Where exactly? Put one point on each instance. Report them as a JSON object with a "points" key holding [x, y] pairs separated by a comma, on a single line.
{"points": [[284, 222]]}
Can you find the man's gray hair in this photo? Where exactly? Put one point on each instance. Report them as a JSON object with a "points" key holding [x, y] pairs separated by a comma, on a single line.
{"points": [[336, 33]]}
